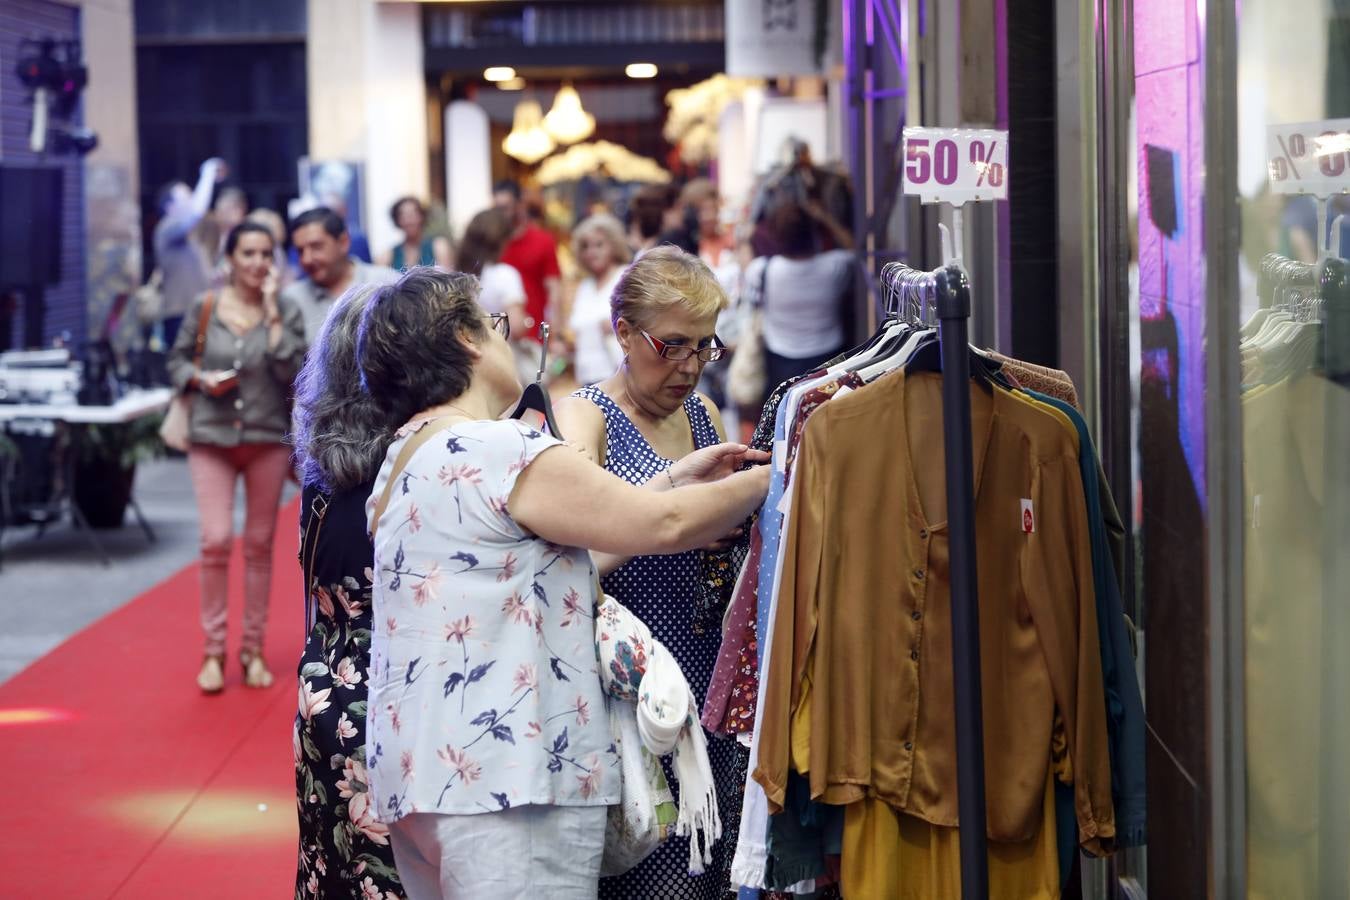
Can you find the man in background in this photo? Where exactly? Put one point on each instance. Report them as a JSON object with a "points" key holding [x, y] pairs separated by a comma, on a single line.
{"points": [[360, 244], [534, 254], [183, 265], [321, 239]]}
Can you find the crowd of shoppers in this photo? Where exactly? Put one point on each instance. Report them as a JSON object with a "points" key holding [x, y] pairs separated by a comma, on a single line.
{"points": [[397, 438]]}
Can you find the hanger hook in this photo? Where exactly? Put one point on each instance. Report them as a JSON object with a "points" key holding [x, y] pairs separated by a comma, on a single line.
{"points": [[543, 352]]}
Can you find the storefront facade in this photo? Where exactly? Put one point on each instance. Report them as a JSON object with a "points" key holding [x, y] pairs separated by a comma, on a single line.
{"points": [[1225, 445]]}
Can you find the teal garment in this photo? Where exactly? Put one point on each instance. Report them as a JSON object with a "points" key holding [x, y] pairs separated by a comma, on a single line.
{"points": [[426, 256], [1124, 705], [797, 837]]}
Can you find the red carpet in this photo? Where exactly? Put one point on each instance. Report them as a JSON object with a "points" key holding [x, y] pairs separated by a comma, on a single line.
{"points": [[125, 781]]}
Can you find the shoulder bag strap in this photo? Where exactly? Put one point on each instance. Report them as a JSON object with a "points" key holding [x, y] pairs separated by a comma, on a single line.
{"points": [[203, 323], [401, 463], [318, 509], [763, 283]]}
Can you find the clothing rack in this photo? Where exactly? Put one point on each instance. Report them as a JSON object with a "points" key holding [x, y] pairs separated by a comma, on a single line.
{"points": [[950, 289]]}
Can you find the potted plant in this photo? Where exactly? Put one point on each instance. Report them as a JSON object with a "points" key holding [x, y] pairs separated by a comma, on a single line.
{"points": [[106, 459]]}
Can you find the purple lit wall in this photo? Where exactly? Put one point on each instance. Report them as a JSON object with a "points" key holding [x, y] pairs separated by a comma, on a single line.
{"points": [[1169, 82]]}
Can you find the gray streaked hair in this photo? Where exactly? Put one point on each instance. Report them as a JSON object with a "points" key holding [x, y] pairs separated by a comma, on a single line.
{"points": [[341, 433]]}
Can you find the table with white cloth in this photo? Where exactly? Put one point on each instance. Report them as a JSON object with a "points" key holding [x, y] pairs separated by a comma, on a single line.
{"points": [[52, 418]]}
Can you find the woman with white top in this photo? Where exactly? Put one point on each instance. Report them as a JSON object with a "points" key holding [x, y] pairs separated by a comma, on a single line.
{"points": [[501, 289], [805, 295], [599, 246], [489, 753]]}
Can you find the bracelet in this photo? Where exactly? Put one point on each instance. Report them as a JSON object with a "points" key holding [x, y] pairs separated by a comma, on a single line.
{"points": [[672, 479]]}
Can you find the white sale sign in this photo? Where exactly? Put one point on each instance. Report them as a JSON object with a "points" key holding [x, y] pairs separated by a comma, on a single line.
{"points": [[956, 165], [1309, 157]]}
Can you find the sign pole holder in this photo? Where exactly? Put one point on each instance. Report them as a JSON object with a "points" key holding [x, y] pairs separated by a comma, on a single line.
{"points": [[956, 166]]}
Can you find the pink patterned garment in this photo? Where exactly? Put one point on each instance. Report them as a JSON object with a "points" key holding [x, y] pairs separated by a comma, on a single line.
{"points": [[726, 708], [730, 704]]}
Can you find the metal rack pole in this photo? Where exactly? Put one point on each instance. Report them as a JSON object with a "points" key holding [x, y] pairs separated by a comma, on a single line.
{"points": [[953, 309]]}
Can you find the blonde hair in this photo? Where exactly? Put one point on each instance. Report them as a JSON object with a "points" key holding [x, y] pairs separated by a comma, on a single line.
{"points": [[662, 278], [608, 227]]}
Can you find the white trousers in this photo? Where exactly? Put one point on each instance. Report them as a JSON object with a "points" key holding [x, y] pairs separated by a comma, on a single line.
{"points": [[523, 852]]}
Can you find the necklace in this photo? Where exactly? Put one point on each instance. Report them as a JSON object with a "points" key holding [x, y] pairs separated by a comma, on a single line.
{"points": [[240, 315]]}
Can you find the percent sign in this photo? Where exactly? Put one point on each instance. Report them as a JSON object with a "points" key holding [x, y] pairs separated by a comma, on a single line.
{"points": [[1283, 165], [1331, 150], [994, 171]]}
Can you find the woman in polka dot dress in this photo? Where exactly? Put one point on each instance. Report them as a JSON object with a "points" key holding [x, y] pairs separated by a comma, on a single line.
{"points": [[636, 424]]}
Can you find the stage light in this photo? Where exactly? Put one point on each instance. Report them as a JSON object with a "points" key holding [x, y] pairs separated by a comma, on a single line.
{"points": [[498, 73], [640, 70], [512, 84], [80, 141]]}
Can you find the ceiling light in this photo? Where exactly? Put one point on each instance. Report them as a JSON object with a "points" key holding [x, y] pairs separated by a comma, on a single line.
{"points": [[511, 84], [567, 122], [498, 73], [640, 70], [528, 141]]}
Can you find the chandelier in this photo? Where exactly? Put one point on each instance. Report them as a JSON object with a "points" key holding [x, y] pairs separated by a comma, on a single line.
{"points": [[528, 141], [567, 122]]}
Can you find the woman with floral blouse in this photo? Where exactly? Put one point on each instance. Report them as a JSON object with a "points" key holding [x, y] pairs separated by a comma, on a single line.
{"points": [[488, 749]]}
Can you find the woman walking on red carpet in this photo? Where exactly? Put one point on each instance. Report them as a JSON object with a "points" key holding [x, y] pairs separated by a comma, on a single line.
{"points": [[341, 438], [253, 344]]}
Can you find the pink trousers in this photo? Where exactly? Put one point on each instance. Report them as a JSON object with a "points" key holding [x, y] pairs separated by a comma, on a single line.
{"points": [[214, 473]]}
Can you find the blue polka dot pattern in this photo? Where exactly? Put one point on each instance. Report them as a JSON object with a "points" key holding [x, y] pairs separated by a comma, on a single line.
{"points": [[660, 590]]}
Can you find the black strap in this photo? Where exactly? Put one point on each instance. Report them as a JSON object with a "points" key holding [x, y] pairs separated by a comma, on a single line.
{"points": [[318, 508], [758, 301]]}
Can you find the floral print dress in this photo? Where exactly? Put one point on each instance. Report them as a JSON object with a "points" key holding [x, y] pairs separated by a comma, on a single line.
{"points": [[344, 849], [484, 689]]}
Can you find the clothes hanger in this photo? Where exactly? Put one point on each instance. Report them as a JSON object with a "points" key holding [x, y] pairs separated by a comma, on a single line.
{"points": [[535, 397], [892, 329], [923, 351]]}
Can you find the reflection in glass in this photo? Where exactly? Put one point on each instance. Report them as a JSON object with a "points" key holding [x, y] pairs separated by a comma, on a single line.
{"points": [[1293, 67]]}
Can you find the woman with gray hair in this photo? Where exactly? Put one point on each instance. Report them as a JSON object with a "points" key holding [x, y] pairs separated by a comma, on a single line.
{"points": [[341, 435]]}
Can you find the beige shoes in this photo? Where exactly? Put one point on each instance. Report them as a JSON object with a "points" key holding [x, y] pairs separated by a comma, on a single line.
{"points": [[211, 679], [256, 673]]}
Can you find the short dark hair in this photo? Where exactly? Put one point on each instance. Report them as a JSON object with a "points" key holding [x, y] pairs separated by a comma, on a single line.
{"points": [[791, 228], [507, 186], [247, 227], [320, 215], [393, 210], [408, 344]]}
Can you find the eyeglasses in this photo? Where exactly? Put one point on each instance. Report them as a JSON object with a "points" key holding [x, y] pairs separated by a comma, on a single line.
{"points": [[501, 323], [680, 352]]}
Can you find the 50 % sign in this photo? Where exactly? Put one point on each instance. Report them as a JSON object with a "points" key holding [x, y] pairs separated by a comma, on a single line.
{"points": [[956, 165], [1309, 157]]}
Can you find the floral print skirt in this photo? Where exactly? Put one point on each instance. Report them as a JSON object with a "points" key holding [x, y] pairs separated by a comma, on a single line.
{"points": [[344, 851]]}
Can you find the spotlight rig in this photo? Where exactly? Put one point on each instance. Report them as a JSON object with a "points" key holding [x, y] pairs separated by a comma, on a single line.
{"points": [[55, 72]]}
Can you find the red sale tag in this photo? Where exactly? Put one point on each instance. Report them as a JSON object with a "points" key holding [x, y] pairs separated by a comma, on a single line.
{"points": [[1028, 517]]}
